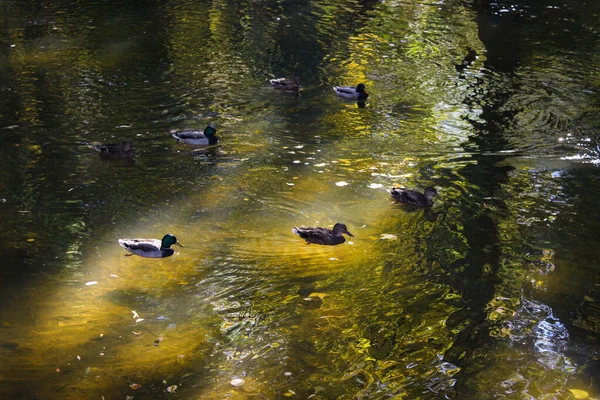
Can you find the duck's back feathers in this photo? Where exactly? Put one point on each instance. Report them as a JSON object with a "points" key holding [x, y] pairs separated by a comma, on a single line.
{"points": [[111, 150], [145, 247]]}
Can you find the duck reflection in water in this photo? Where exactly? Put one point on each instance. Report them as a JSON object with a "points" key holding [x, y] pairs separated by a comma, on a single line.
{"points": [[323, 235]]}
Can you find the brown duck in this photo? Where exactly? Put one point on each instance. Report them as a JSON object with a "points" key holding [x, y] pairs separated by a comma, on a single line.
{"points": [[413, 197], [125, 150], [323, 235]]}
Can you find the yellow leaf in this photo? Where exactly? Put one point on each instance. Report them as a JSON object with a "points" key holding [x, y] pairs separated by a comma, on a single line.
{"points": [[579, 394]]}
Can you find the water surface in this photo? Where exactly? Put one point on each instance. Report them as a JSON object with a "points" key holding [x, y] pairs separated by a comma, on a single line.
{"points": [[491, 293]]}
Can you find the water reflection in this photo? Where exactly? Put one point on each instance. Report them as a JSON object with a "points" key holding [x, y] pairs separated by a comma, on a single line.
{"points": [[465, 299]]}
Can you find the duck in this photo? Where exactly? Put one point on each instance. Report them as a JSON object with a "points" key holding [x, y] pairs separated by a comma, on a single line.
{"points": [[152, 248], [207, 138], [292, 85], [323, 235], [413, 197], [111, 150], [349, 92]]}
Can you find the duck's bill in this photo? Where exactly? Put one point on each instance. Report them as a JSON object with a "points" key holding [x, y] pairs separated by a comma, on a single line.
{"points": [[178, 244], [349, 234], [218, 135]]}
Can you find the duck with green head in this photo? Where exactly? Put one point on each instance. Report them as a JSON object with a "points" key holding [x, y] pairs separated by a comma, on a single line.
{"points": [[323, 235], [209, 137], [350, 92], [152, 248], [111, 150]]}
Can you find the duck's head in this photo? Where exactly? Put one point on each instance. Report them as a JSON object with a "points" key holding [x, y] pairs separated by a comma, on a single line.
{"points": [[127, 146], [360, 88], [340, 228], [430, 192], [211, 131], [168, 240]]}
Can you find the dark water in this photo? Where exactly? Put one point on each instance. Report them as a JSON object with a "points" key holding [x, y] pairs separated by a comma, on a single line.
{"points": [[491, 293]]}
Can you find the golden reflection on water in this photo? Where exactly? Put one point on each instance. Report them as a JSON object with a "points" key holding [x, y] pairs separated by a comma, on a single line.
{"points": [[92, 332]]}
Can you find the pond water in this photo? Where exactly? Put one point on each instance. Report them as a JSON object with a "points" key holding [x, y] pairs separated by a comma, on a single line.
{"points": [[491, 293]]}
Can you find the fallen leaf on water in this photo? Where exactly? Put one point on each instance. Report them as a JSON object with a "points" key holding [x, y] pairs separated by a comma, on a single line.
{"points": [[136, 333], [139, 320], [90, 283], [237, 382], [135, 314], [579, 394], [135, 386], [388, 236], [172, 388]]}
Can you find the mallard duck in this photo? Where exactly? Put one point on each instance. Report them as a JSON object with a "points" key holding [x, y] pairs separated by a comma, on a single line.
{"points": [[323, 235], [413, 197], [292, 85], [125, 150], [152, 248], [207, 138], [349, 92]]}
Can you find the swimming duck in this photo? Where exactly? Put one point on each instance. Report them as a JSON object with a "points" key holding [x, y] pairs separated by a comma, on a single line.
{"points": [[414, 198], [292, 85], [152, 248], [208, 138], [125, 150], [349, 92], [323, 235]]}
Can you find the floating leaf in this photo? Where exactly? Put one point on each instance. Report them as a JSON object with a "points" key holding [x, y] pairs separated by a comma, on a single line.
{"points": [[237, 382], [579, 394], [172, 388], [91, 283]]}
